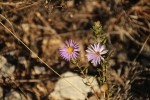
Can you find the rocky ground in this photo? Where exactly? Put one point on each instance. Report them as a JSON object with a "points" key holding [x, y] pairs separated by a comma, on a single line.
{"points": [[43, 25]]}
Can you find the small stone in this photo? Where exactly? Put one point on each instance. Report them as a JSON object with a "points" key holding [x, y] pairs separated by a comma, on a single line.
{"points": [[25, 27], [14, 95], [39, 70], [22, 60], [7, 70], [2, 61], [63, 90]]}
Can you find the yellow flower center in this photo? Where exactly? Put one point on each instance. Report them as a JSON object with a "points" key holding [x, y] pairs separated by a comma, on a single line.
{"points": [[70, 49]]}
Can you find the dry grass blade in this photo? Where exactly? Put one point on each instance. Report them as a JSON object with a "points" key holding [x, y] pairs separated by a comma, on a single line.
{"points": [[12, 33], [141, 49], [11, 3]]}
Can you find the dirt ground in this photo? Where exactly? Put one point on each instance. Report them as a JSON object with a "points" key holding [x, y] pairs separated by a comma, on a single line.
{"points": [[44, 25]]}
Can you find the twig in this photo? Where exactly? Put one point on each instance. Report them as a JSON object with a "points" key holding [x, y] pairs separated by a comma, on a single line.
{"points": [[11, 3], [77, 64]]}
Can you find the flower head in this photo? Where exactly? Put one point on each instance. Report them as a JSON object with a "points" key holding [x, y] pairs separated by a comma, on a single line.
{"points": [[95, 52], [70, 50]]}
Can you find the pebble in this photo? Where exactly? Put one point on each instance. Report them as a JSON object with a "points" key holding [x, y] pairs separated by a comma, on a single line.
{"points": [[6, 69], [14, 95]]}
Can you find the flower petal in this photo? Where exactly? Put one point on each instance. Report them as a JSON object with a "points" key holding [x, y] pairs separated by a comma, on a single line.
{"points": [[92, 54]]}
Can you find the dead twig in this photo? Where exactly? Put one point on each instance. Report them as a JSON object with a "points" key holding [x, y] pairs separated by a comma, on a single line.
{"points": [[11, 3]]}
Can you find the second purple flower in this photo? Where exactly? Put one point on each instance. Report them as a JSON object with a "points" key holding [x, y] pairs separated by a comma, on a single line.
{"points": [[95, 53]]}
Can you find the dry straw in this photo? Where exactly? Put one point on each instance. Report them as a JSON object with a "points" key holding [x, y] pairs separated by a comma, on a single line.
{"points": [[42, 61]]}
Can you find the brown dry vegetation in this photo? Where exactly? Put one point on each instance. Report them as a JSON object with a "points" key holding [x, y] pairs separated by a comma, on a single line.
{"points": [[43, 25]]}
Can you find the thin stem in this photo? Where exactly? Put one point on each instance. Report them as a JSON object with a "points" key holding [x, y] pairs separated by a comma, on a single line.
{"points": [[82, 72]]}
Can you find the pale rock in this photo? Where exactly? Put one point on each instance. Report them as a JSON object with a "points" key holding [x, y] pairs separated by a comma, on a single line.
{"points": [[77, 91], [39, 70]]}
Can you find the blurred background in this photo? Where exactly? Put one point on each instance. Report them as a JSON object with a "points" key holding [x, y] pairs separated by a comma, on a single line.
{"points": [[44, 25]]}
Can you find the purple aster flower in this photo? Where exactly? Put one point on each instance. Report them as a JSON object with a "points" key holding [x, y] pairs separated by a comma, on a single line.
{"points": [[70, 50], [95, 52]]}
